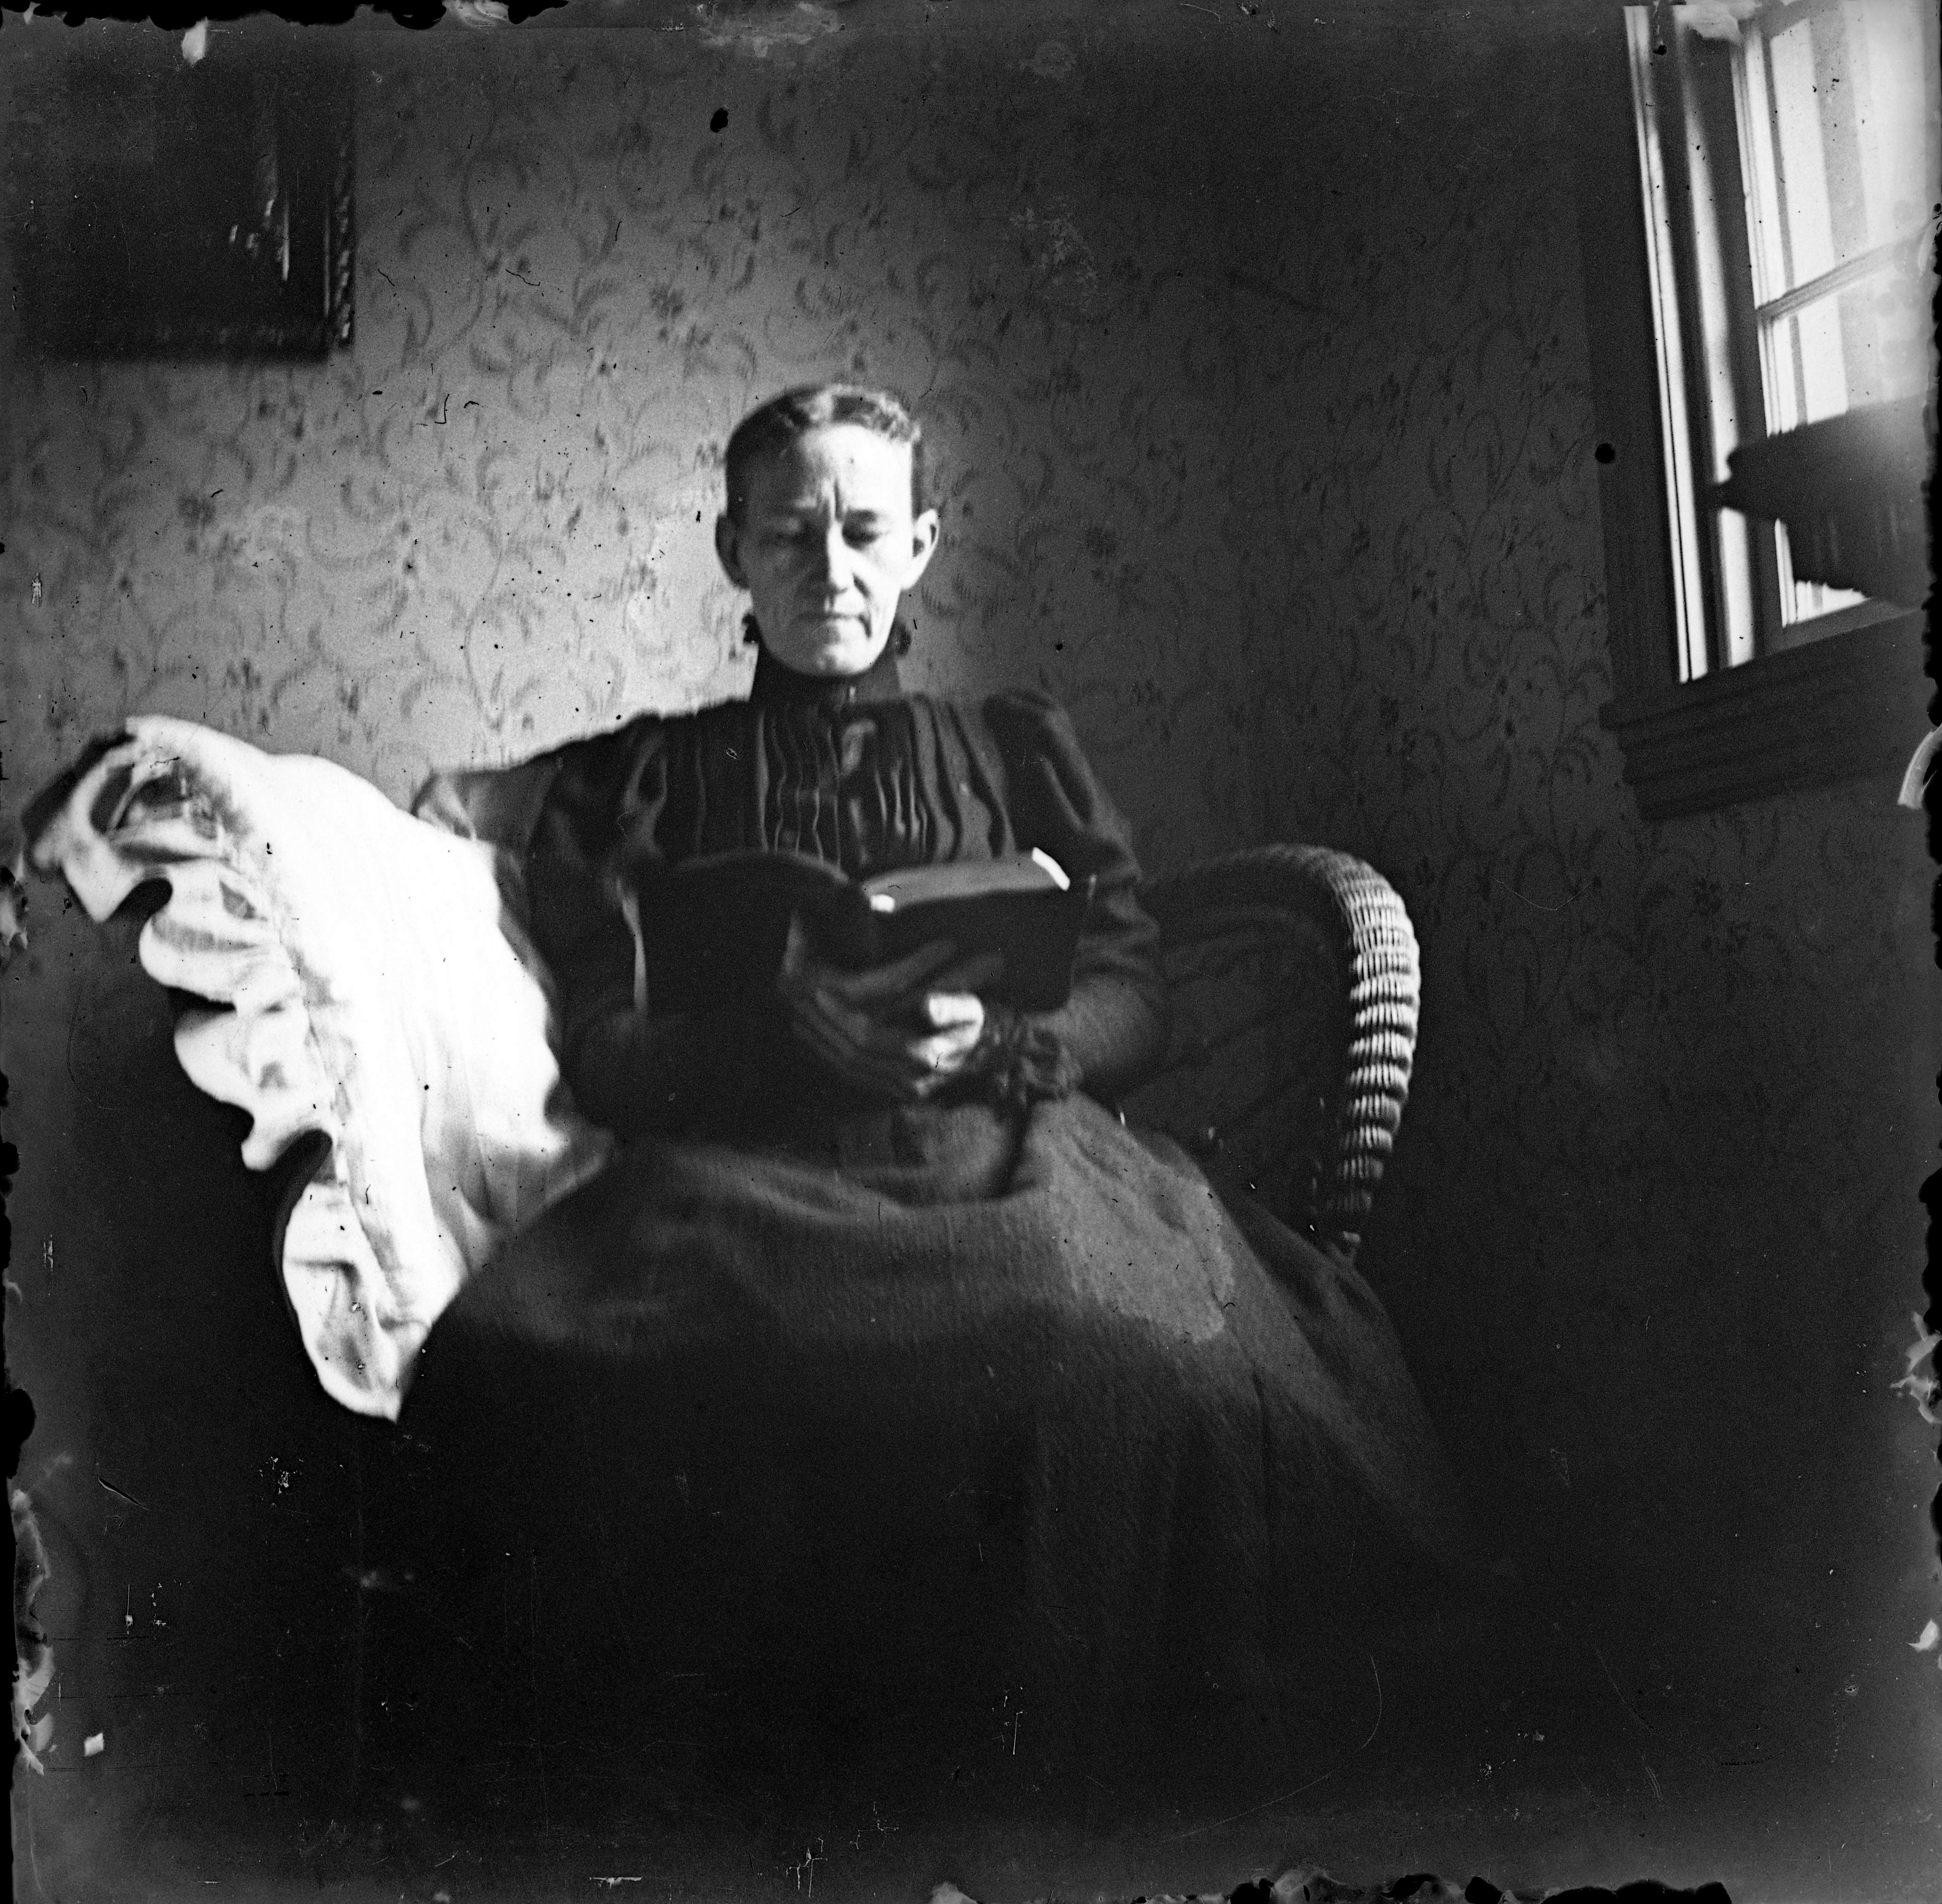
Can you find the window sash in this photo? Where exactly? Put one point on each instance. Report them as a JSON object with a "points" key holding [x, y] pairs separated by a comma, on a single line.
{"points": [[1871, 263], [1736, 356], [1812, 715], [1662, 263], [1727, 567]]}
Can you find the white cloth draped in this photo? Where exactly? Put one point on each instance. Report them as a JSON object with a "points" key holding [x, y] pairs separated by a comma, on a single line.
{"points": [[363, 979]]}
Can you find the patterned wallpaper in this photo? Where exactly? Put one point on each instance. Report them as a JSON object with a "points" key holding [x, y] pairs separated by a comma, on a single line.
{"points": [[1254, 365]]}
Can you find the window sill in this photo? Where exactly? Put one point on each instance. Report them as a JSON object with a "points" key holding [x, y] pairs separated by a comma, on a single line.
{"points": [[1828, 711]]}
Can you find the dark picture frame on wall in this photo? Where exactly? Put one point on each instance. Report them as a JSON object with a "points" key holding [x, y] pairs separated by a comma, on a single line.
{"points": [[160, 210]]}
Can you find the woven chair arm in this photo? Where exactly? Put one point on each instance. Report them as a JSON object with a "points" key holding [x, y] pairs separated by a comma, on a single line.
{"points": [[1360, 916]]}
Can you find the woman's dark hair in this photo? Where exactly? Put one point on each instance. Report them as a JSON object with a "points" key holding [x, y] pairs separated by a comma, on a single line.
{"points": [[766, 432]]}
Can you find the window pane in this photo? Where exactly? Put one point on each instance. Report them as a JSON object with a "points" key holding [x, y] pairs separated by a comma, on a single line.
{"points": [[1806, 223], [1808, 601], [1893, 59], [1840, 162], [1839, 144], [1760, 173], [1824, 375], [1865, 342]]}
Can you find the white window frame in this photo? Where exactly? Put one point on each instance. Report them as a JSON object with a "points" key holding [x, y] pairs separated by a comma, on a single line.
{"points": [[1705, 128], [1703, 722]]}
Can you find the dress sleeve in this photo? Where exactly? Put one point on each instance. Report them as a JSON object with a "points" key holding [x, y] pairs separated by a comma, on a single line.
{"points": [[1113, 1030], [636, 1071], [606, 793]]}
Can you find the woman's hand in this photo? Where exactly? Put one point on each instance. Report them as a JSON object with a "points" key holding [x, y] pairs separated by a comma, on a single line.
{"points": [[900, 1031]]}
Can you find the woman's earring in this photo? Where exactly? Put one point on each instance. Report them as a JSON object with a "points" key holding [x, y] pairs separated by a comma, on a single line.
{"points": [[901, 641]]}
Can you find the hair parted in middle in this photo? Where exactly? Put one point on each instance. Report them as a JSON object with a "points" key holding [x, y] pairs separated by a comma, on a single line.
{"points": [[769, 428]]}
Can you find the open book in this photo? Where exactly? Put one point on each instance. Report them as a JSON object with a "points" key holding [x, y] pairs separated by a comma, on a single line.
{"points": [[710, 930]]}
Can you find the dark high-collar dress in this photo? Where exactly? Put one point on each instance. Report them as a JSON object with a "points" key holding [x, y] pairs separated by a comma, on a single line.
{"points": [[854, 771], [942, 1405]]}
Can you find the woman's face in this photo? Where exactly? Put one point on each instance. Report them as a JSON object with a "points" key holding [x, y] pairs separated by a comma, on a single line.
{"points": [[826, 545]]}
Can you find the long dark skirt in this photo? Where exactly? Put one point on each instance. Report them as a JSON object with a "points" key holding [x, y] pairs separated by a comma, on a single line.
{"points": [[1004, 1432]]}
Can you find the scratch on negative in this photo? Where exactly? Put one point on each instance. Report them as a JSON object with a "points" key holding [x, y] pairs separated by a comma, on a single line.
{"points": [[1378, 1726], [1265, 1805], [1620, 1696]]}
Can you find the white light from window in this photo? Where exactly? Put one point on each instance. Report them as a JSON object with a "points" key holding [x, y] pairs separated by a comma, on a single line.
{"points": [[1837, 140]]}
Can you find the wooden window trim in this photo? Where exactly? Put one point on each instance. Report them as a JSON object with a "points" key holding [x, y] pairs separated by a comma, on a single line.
{"points": [[1826, 711]]}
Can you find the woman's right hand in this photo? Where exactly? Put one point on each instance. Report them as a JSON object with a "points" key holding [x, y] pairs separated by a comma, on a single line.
{"points": [[899, 1031]]}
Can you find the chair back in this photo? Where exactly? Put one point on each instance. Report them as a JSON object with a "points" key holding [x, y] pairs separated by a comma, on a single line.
{"points": [[1294, 977]]}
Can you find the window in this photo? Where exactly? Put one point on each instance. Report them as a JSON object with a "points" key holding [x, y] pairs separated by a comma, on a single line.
{"points": [[1781, 254]]}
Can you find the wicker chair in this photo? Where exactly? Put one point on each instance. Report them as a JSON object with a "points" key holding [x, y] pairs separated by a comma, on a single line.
{"points": [[1294, 975]]}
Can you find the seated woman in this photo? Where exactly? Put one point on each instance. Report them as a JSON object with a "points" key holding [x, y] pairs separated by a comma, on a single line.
{"points": [[886, 1374]]}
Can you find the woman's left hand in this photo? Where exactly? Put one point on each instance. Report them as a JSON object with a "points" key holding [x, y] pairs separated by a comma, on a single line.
{"points": [[901, 1031]]}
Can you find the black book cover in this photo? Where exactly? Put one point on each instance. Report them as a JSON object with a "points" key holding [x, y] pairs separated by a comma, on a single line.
{"points": [[713, 929]]}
